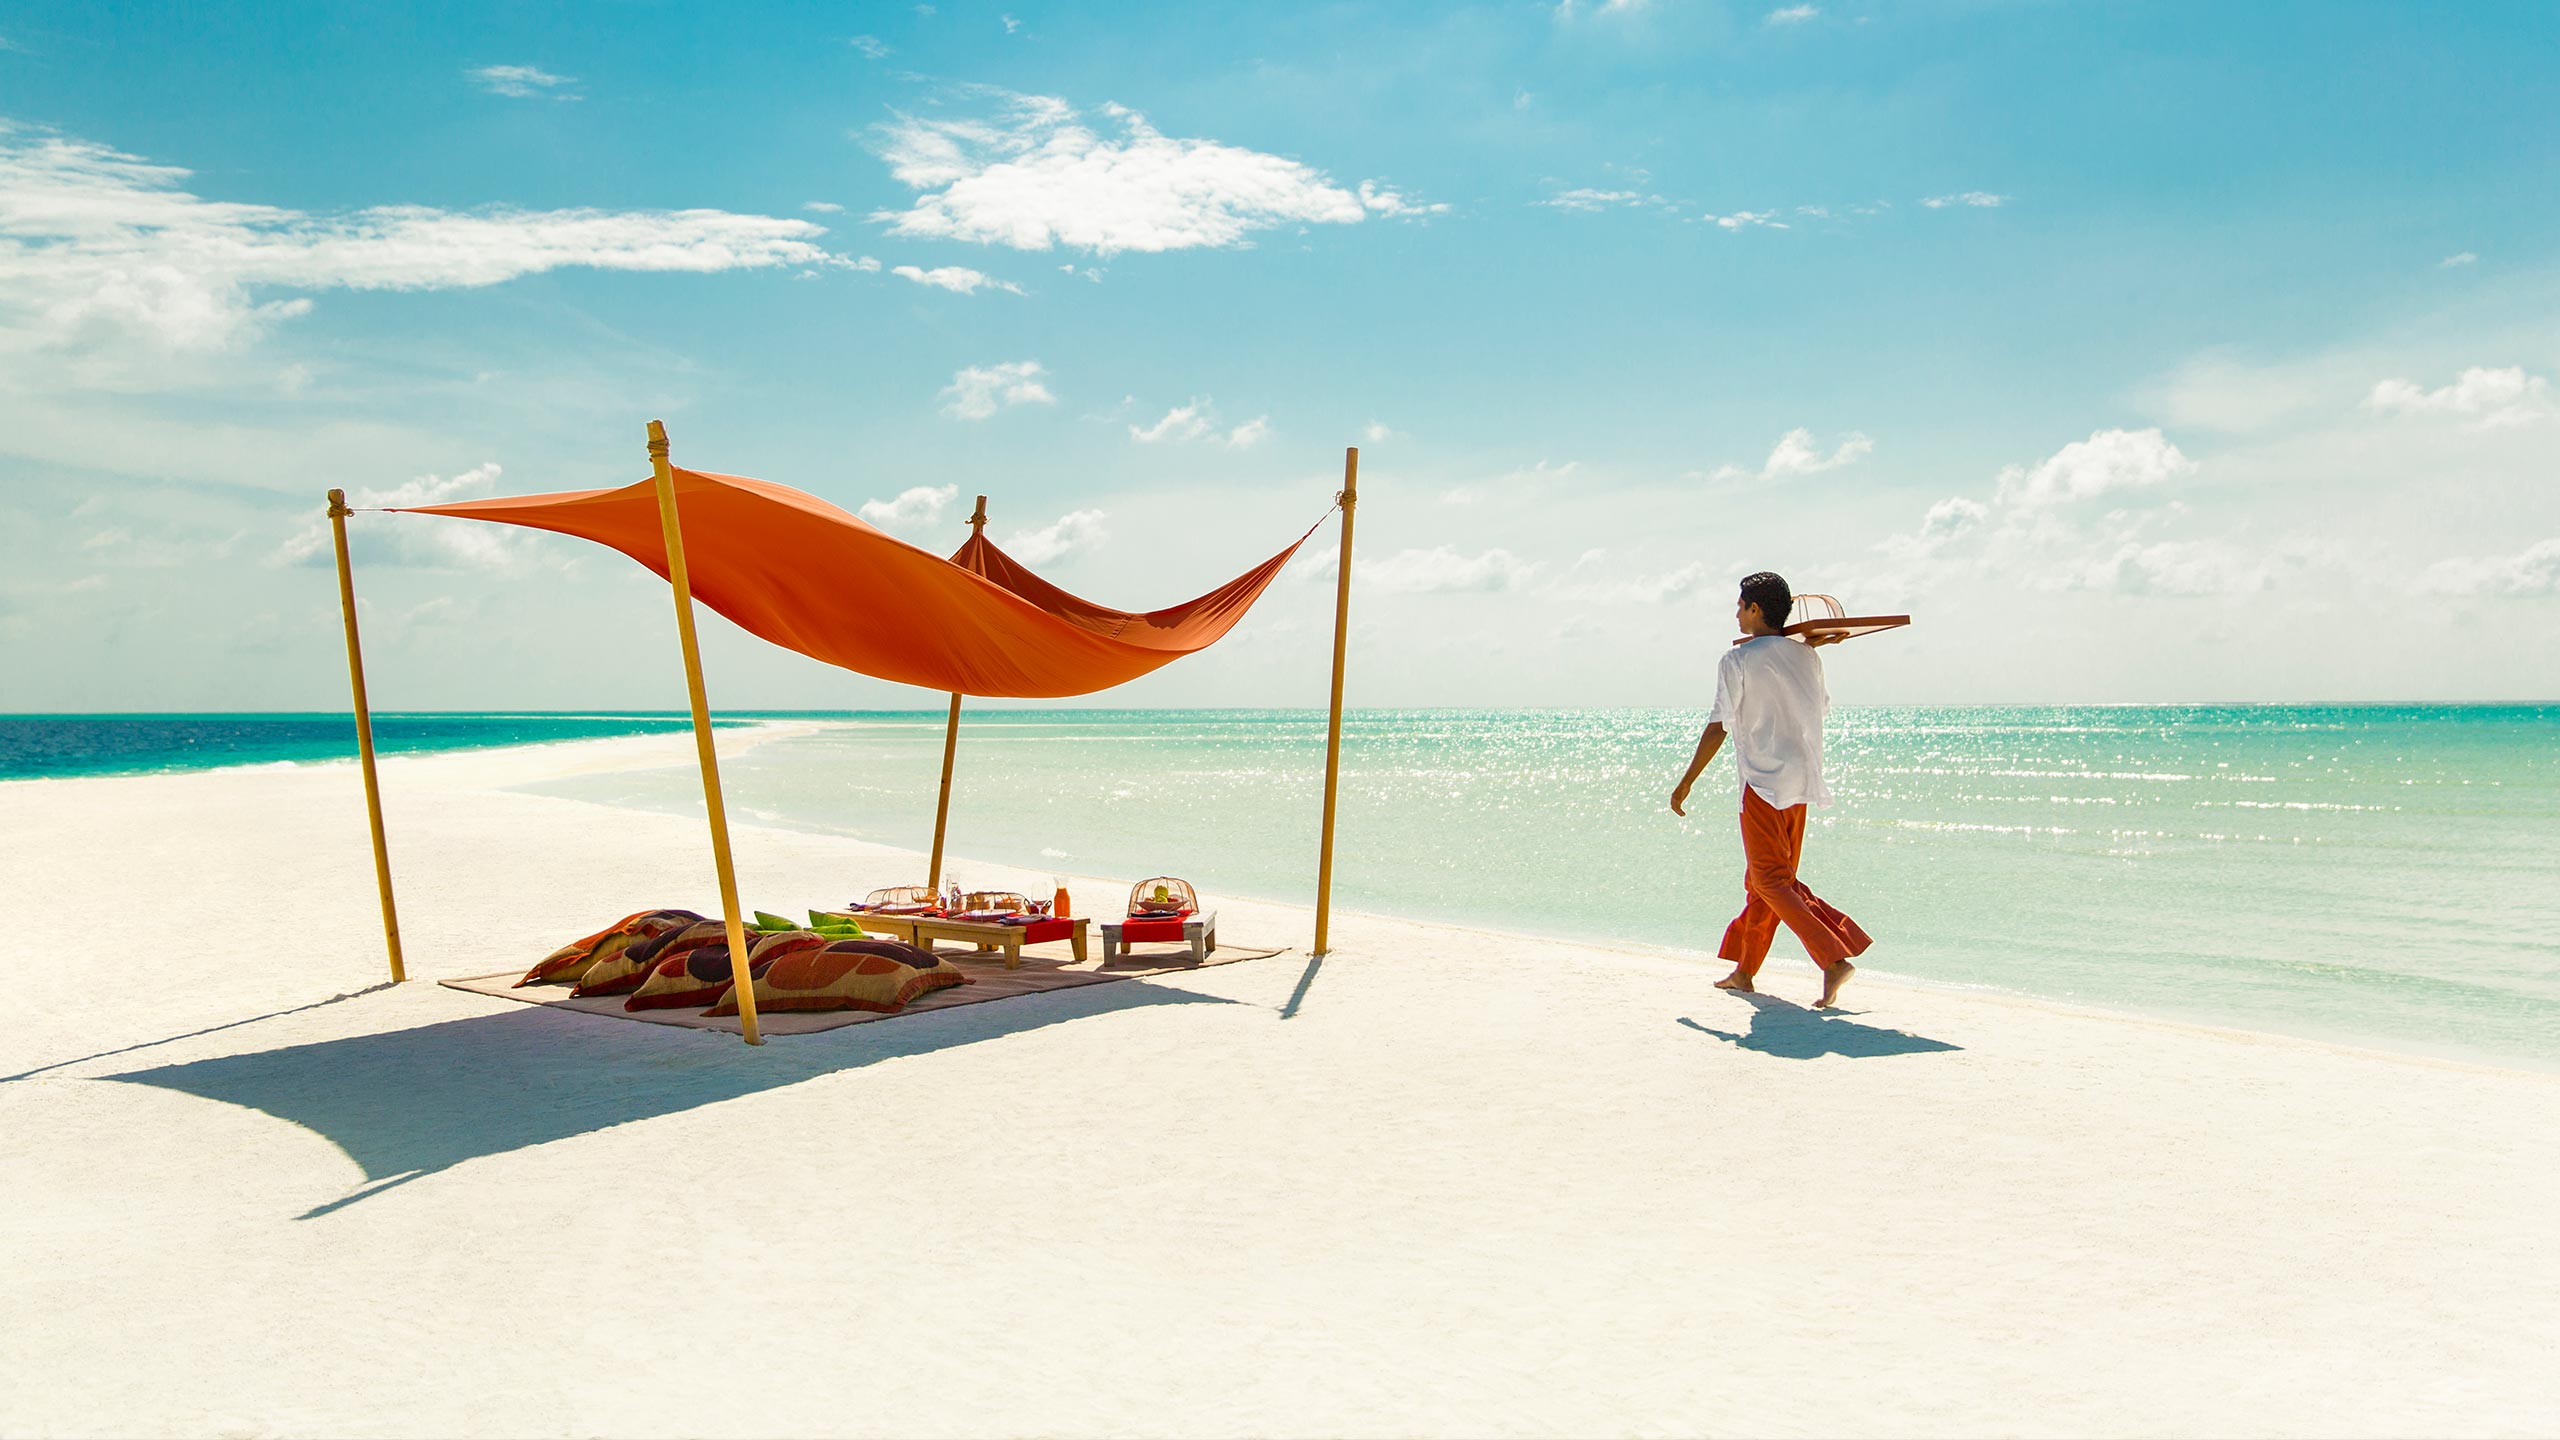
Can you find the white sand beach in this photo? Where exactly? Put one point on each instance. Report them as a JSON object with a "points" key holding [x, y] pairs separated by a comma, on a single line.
{"points": [[1449, 1182]]}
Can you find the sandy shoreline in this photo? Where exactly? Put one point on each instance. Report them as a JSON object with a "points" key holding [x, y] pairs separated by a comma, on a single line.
{"points": [[1450, 1182]]}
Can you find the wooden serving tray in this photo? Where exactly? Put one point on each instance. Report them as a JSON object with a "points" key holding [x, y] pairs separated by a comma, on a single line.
{"points": [[1848, 627]]}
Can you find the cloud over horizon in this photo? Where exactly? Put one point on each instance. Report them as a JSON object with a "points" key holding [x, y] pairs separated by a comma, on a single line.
{"points": [[1036, 176]]}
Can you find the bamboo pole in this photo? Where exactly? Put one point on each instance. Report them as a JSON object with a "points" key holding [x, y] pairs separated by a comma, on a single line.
{"points": [[942, 808], [338, 513], [682, 584], [950, 743], [1350, 500]]}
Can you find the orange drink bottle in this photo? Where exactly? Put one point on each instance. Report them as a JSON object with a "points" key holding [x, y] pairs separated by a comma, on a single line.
{"points": [[1058, 905]]}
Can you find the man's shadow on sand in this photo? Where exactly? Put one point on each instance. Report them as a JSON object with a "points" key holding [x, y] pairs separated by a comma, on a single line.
{"points": [[1792, 1032], [405, 1104]]}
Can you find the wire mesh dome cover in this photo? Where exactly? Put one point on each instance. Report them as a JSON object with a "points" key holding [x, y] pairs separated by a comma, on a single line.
{"points": [[1817, 607], [900, 895], [1162, 895]]}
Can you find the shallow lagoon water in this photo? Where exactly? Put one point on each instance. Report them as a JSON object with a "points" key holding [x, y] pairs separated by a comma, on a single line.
{"points": [[2385, 874]]}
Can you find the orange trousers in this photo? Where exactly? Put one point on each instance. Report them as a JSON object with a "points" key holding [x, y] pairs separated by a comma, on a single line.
{"points": [[1772, 845]]}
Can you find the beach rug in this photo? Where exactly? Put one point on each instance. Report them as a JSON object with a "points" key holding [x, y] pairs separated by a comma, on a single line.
{"points": [[988, 980]]}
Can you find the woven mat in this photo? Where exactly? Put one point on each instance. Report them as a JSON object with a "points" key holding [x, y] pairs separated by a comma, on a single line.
{"points": [[988, 980]]}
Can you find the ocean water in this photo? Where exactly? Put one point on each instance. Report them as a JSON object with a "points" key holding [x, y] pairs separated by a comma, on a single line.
{"points": [[2379, 874], [41, 745]]}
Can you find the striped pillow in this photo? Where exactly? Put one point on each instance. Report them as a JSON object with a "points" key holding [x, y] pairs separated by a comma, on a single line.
{"points": [[699, 977], [870, 974], [622, 972], [570, 961]]}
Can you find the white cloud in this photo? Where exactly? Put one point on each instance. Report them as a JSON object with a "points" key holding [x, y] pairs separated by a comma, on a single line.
{"points": [[1075, 530], [1746, 219], [1442, 569], [1791, 15], [1951, 518], [1182, 422], [1198, 420], [1797, 454], [2464, 258], [823, 207], [959, 279], [921, 505], [1010, 24], [871, 47], [1037, 177], [2533, 571], [424, 541], [979, 391], [2108, 460], [1590, 581], [1376, 432], [97, 246], [1979, 199], [2494, 399], [866, 264], [1590, 201], [2170, 567], [1566, 11], [525, 82]]}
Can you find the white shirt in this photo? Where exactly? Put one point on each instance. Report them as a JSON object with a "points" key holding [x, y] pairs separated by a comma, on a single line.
{"points": [[1771, 700]]}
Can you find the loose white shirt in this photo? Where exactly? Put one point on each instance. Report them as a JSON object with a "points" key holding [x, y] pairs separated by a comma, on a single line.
{"points": [[1770, 699]]}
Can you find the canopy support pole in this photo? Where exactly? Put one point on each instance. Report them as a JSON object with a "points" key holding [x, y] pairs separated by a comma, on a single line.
{"points": [[338, 513], [942, 808], [1349, 500], [950, 746], [682, 584]]}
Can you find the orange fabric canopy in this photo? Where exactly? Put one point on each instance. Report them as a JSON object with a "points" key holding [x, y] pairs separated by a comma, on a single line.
{"points": [[789, 567]]}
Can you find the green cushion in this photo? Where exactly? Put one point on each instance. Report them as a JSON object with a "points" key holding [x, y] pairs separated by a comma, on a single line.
{"points": [[765, 920], [834, 926]]}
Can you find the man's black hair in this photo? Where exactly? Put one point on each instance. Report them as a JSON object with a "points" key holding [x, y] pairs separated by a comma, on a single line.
{"points": [[1769, 591]]}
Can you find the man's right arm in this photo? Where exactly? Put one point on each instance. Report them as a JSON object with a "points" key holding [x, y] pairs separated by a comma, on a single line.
{"points": [[1709, 743]]}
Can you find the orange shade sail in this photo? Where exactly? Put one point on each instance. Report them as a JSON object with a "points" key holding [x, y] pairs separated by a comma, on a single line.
{"points": [[791, 568]]}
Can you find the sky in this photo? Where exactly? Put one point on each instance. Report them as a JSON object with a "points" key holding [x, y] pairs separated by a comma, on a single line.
{"points": [[2141, 352]]}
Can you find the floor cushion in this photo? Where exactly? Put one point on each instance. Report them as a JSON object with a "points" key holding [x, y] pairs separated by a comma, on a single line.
{"points": [[621, 973], [869, 974], [570, 961], [700, 977]]}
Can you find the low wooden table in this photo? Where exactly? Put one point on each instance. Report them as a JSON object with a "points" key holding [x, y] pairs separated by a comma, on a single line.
{"points": [[922, 930], [1199, 931]]}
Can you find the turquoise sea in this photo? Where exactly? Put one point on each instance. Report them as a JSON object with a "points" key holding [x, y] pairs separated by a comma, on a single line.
{"points": [[2380, 874]]}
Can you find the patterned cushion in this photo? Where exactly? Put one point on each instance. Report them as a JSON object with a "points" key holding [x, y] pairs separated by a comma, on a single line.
{"points": [[871, 974], [622, 972], [700, 976], [570, 961]]}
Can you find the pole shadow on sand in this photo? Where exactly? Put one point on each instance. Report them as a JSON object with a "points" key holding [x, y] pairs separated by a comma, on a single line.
{"points": [[1792, 1032], [404, 1104]]}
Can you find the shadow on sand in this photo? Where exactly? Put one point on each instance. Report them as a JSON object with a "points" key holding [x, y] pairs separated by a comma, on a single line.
{"points": [[408, 1103], [1792, 1032]]}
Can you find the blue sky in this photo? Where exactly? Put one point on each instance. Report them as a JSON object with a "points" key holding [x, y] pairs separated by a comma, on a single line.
{"points": [[2142, 351]]}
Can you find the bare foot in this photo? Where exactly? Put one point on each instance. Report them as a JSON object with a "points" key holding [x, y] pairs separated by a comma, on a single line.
{"points": [[1832, 979], [1737, 981]]}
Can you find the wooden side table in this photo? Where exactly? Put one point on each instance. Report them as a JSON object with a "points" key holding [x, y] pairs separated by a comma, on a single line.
{"points": [[1199, 931]]}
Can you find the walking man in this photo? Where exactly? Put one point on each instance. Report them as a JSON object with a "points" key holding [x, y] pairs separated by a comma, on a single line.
{"points": [[1770, 699]]}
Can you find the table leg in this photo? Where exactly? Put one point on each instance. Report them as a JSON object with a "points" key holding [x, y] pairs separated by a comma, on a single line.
{"points": [[1075, 939], [1013, 954]]}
